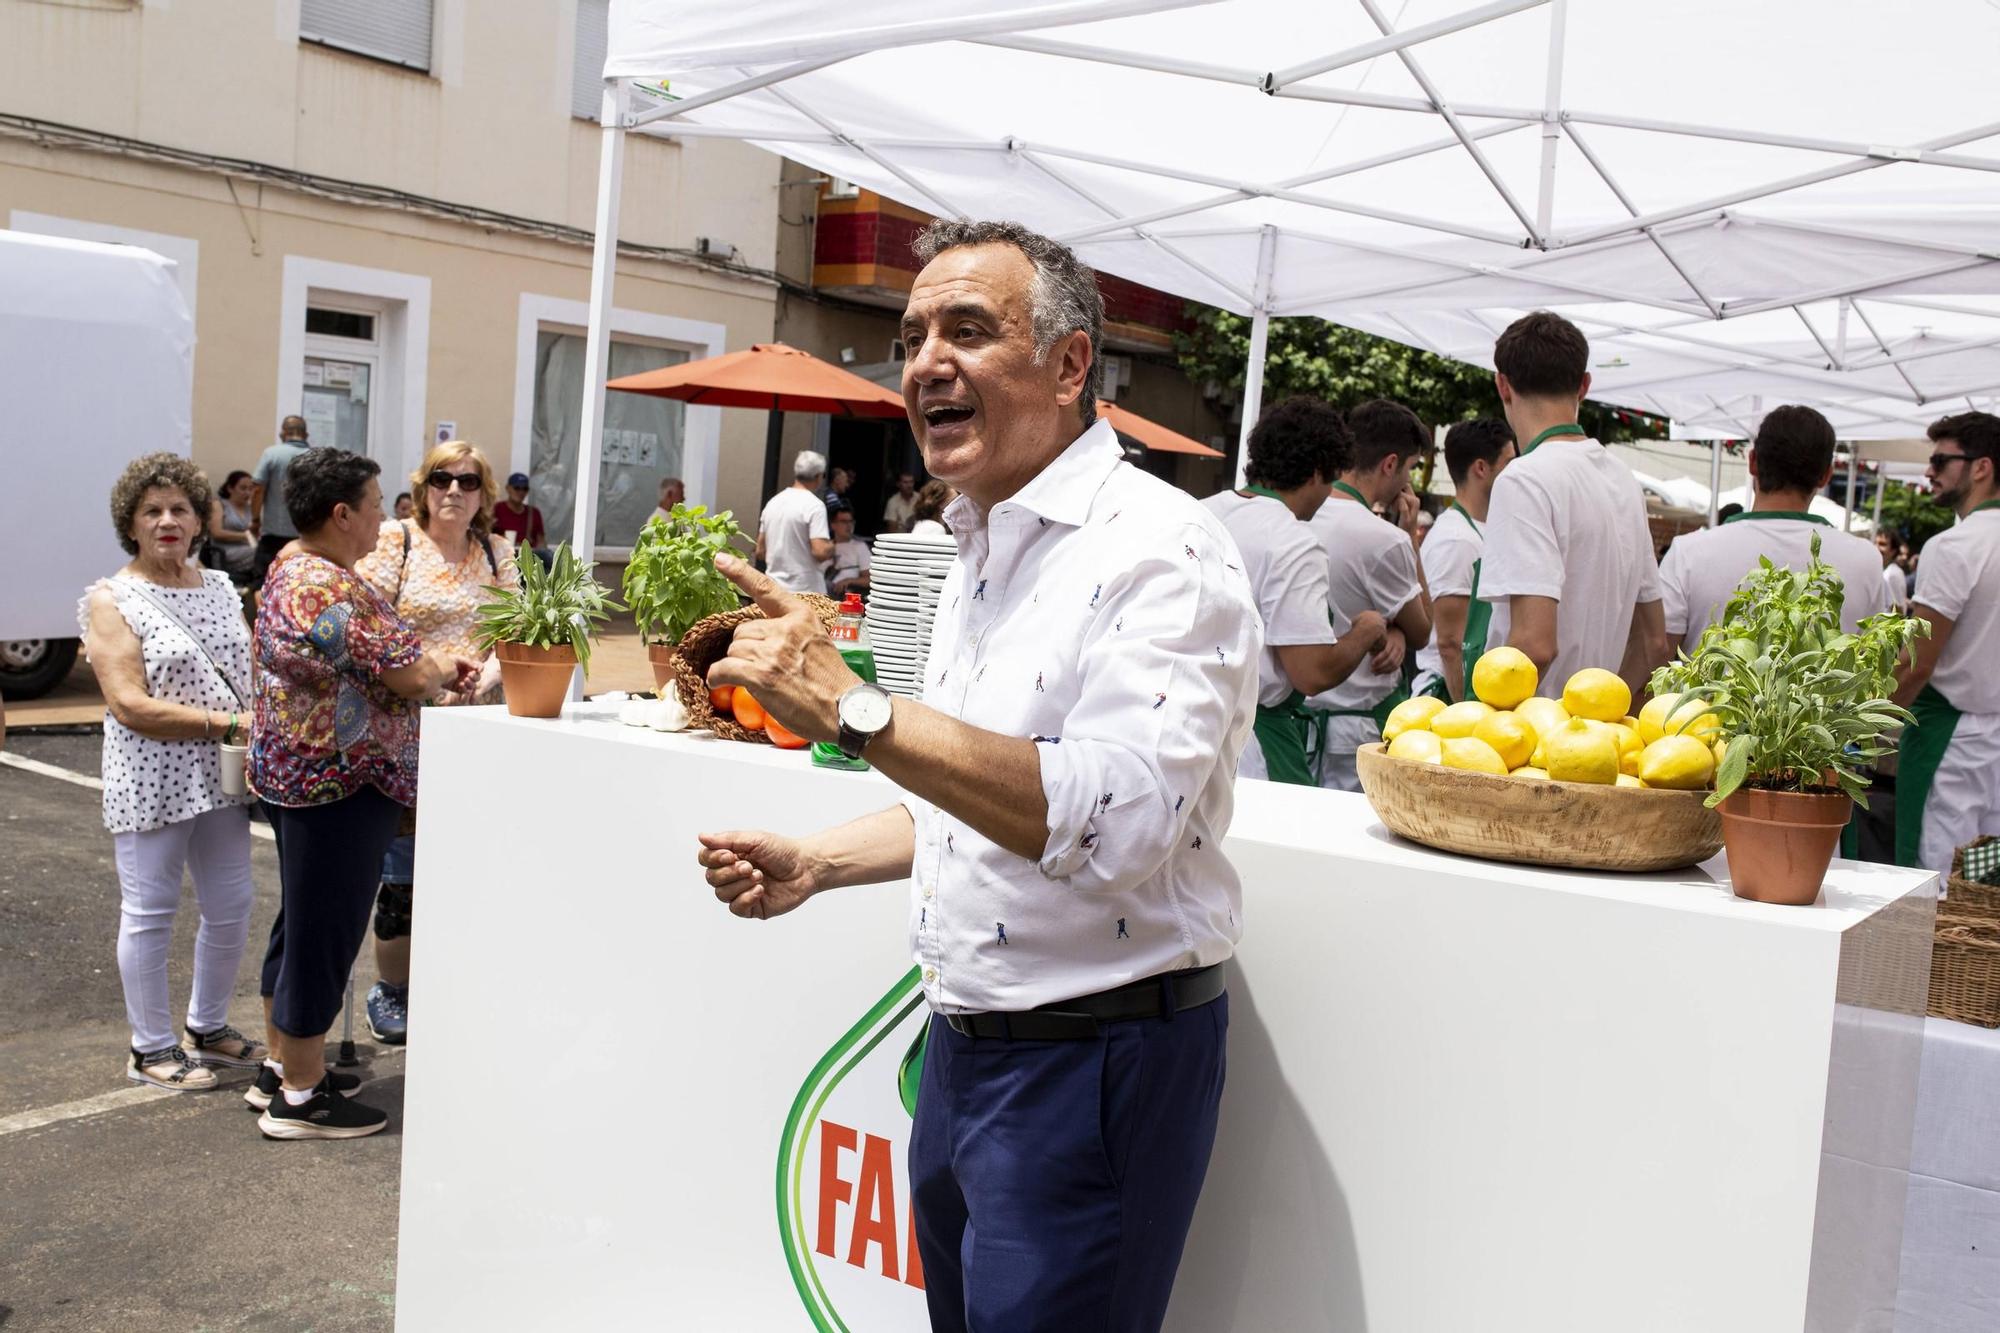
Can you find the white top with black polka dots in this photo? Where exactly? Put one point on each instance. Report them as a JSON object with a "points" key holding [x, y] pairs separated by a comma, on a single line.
{"points": [[149, 784]]}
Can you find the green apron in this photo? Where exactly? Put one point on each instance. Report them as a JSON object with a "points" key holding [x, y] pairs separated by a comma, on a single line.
{"points": [[1478, 621], [1380, 712], [1924, 743], [1285, 734]]}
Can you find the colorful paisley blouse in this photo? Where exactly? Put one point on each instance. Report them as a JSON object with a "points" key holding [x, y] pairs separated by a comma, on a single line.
{"points": [[326, 726]]}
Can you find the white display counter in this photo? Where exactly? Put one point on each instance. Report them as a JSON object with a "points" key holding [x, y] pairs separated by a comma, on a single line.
{"points": [[1462, 1096]]}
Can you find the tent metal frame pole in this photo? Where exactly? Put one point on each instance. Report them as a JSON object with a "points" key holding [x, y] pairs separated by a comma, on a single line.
{"points": [[1847, 508], [1253, 365], [1735, 310], [1714, 482], [671, 110], [944, 205], [1545, 199], [1881, 484], [597, 336], [1625, 201], [1396, 41], [1841, 147], [1888, 351]]}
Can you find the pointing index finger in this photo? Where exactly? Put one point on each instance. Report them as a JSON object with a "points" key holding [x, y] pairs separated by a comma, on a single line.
{"points": [[760, 588]]}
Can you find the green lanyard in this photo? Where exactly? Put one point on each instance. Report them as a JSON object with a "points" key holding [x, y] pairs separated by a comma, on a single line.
{"points": [[1567, 428], [1343, 486], [1264, 491], [1777, 513], [1989, 504], [1468, 518]]}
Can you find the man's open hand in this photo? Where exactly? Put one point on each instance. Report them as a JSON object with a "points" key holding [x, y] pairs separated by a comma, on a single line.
{"points": [[786, 659]]}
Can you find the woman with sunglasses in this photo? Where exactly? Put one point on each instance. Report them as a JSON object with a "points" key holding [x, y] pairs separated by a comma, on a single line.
{"points": [[435, 568]]}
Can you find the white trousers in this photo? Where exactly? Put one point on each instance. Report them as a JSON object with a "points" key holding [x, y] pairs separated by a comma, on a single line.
{"points": [[1345, 735], [215, 847], [1964, 800]]}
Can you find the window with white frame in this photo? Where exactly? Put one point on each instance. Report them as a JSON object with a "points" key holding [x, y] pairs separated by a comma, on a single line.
{"points": [[398, 31], [586, 95], [642, 443], [343, 366]]}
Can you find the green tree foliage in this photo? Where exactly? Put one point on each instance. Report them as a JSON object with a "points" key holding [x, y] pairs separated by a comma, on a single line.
{"points": [[1345, 366], [1911, 514]]}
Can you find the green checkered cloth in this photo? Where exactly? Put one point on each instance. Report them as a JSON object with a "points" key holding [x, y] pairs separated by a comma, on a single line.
{"points": [[1981, 862]]}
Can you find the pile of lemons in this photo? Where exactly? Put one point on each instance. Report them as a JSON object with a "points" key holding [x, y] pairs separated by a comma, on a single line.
{"points": [[1587, 736]]}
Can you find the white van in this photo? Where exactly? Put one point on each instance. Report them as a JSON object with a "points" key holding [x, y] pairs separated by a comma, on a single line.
{"points": [[96, 368]]}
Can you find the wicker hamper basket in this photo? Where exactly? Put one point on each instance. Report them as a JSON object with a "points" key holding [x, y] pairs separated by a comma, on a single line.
{"points": [[704, 644], [1965, 970], [1968, 897]]}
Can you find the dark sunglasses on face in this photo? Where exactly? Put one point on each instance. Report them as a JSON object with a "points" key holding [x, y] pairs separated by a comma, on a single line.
{"points": [[441, 480]]}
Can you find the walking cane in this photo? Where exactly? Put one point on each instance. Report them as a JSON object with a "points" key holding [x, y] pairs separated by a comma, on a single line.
{"points": [[346, 1058]]}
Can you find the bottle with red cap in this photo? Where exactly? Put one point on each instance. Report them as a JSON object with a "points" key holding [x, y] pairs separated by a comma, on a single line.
{"points": [[850, 635]]}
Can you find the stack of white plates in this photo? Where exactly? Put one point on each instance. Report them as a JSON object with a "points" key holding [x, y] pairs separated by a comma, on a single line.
{"points": [[905, 576]]}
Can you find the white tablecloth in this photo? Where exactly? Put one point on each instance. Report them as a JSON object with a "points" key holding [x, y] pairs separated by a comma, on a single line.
{"points": [[1950, 1281]]}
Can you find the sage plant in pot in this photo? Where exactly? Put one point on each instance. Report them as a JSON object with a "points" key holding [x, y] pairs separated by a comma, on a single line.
{"points": [[1805, 706], [672, 583], [542, 631]]}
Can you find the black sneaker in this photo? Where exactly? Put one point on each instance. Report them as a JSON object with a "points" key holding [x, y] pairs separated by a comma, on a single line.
{"points": [[260, 1093], [326, 1115]]}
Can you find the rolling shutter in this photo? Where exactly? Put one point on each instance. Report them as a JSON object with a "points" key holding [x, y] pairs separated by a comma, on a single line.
{"points": [[586, 97], [398, 31]]}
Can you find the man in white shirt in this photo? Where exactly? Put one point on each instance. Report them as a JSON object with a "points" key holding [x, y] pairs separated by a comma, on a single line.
{"points": [[794, 541], [1372, 565], [672, 492], [1895, 582], [901, 510], [1070, 775], [1790, 462], [848, 570], [1296, 449], [1474, 454], [1569, 565], [1948, 765]]}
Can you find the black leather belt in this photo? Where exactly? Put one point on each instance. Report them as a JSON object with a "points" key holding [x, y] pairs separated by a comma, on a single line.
{"points": [[1069, 1020]]}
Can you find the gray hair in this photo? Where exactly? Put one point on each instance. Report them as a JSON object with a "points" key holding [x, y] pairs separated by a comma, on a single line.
{"points": [[1062, 297], [808, 465]]}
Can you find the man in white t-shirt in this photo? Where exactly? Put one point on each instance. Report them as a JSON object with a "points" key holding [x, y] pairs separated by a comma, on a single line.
{"points": [[1474, 453], [1569, 565], [1948, 765], [848, 570], [1372, 565], [1296, 449], [793, 539], [1790, 462], [672, 492], [901, 511]]}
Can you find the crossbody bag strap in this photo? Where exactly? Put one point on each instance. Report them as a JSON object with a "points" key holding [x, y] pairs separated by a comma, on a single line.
{"points": [[157, 604]]}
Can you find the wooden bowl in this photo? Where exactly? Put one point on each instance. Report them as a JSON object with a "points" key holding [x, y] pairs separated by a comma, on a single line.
{"points": [[1573, 825]]}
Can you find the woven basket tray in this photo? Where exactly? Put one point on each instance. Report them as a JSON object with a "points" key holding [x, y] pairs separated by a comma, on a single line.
{"points": [[1965, 970], [706, 643], [1966, 897]]}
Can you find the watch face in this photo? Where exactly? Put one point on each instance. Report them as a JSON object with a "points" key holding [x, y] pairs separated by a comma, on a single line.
{"points": [[865, 710]]}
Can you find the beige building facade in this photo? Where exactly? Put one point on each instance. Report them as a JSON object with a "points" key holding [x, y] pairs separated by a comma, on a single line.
{"points": [[380, 210]]}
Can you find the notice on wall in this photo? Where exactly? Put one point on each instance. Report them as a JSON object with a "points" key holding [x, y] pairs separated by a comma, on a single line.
{"points": [[315, 375], [632, 448], [322, 420], [446, 430], [339, 374]]}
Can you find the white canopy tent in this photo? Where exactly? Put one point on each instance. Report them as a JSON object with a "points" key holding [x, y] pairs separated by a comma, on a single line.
{"points": [[1422, 169]]}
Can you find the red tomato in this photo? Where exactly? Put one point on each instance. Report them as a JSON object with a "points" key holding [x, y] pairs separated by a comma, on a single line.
{"points": [[749, 713], [721, 698], [783, 739]]}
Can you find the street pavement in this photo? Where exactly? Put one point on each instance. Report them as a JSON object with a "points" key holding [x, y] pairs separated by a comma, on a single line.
{"points": [[142, 1209]]}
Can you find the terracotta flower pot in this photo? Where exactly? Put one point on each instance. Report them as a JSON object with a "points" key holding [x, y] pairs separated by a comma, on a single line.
{"points": [[536, 679], [1779, 843], [661, 656]]}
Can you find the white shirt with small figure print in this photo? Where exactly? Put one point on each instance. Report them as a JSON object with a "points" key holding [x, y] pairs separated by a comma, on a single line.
{"points": [[1107, 616]]}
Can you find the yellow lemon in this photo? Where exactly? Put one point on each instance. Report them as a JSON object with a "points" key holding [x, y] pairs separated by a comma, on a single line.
{"points": [[1628, 764], [1411, 715], [1627, 780], [1422, 746], [1721, 750], [1544, 715], [1630, 721], [1504, 677], [1680, 762], [1461, 719], [1530, 771], [1597, 693], [1510, 736], [1664, 715], [1477, 755], [1582, 752]]}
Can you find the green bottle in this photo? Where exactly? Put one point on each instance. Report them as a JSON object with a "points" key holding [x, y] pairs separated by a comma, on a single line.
{"points": [[850, 635]]}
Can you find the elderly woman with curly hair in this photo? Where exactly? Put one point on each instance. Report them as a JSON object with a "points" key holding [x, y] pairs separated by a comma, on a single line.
{"points": [[333, 755], [434, 568], [172, 656]]}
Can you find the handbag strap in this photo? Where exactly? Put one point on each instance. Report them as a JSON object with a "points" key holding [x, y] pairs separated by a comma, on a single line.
{"points": [[139, 586]]}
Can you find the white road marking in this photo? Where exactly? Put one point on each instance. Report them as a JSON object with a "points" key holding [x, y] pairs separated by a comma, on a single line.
{"points": [[76, 779], [103, 1101]]}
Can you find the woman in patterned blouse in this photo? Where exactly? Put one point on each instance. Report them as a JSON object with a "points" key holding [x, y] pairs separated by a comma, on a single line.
{"points": [[334, 756], [435, 568]]}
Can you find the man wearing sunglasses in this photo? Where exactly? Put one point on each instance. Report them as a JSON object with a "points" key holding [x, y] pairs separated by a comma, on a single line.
{"points": [[1948, 770]]}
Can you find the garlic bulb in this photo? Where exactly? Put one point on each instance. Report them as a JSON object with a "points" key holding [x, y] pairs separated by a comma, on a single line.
{"points": [[667, 714]]}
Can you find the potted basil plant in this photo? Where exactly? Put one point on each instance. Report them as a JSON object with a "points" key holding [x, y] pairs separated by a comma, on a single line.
{"points": [[672, 583], [543, 630], [1805, 707]]}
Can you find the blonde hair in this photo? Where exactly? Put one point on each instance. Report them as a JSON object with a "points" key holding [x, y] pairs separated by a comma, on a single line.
{"points": [[440, 455]]}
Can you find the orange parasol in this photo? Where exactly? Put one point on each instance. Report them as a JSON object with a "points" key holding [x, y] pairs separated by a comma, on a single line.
{"points": [[1152, 434], [772, 376]]}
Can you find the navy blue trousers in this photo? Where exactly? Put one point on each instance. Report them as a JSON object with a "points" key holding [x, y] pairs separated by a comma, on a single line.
{"points": [[1054, 1181], [329, 866]]}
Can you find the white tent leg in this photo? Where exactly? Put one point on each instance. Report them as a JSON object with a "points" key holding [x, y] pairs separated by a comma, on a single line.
{"points": [[1714, 482], [1253, 390], [1881, 484], [597, 342], [1847, 510]]}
